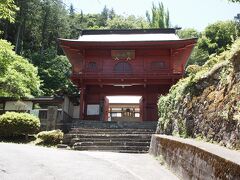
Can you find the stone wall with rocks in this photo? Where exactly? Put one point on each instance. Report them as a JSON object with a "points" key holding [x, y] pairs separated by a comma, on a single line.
{"points": [[189, 159], [206, 105]]}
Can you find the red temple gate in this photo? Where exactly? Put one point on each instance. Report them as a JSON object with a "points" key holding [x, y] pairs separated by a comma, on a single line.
{"points": [[143, 62]]}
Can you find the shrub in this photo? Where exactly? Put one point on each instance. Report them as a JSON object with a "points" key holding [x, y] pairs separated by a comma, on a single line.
{"points": [[15, 124], [192, 69], [50, 137], [171, 106]]}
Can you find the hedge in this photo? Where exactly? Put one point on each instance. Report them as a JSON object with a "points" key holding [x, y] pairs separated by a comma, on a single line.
{"points": [[14, 124]]}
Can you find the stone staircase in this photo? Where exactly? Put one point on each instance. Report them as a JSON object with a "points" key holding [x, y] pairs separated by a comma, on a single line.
{"points": [[127, 138]]}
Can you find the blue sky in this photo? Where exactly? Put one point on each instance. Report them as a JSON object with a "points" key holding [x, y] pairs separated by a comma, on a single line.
{"points": [[184, 13]]}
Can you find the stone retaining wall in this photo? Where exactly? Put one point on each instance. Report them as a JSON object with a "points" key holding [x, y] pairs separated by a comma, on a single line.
{"points": [[191, 159]]}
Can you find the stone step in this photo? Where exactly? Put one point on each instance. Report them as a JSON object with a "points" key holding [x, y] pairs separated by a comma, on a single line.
{"points": [[107, 129], [115, 125], [112, 131], [107, 143], [109, 140], [128, 140], [106, 140], [122, 151], [111, 148], [72, 140], [130, 151]]}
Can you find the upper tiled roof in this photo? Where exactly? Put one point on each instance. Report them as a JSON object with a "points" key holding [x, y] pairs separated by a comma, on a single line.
{"points": [[127, 37], [133, 35]]}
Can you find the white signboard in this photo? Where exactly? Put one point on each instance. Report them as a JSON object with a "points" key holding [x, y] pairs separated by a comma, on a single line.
{"points": [[18, 105], [93, 109]]}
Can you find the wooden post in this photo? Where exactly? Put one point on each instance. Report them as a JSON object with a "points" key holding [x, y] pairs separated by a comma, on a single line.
{"points": [[145, 110], [171, 61], [82, 102]]}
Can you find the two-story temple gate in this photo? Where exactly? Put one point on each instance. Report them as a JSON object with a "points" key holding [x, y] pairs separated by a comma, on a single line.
{"points": [[144, 62]]}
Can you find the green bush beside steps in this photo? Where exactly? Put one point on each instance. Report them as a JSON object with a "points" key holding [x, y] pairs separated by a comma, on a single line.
{"points": [[50, 138], [17, 124]]}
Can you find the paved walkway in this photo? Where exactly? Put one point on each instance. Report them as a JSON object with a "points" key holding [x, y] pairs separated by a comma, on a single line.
{"points": [[26, 162]]}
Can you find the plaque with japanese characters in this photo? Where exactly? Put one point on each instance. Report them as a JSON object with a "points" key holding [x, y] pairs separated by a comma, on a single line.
{"points": [[123, 54]]}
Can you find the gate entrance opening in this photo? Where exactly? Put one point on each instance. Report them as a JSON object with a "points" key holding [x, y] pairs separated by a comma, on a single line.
{"points": [[124, 108]]}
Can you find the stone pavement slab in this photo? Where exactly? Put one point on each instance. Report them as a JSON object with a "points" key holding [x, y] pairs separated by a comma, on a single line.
{"points": [[27, 162]]}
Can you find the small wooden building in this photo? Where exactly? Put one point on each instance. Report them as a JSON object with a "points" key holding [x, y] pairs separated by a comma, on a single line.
{"points": [[140, 62], [53, 112]]}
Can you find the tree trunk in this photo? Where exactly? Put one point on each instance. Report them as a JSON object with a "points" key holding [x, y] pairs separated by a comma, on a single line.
{"points": [[44, 27], [18, 38], [21, 24], [6, 24]]}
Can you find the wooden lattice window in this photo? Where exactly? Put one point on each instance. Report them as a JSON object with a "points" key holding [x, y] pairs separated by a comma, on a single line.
{"points": [[123, 67], [92, 66]]}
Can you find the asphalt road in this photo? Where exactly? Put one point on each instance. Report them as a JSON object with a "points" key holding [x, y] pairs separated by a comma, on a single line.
{"points": [[26, 162]]}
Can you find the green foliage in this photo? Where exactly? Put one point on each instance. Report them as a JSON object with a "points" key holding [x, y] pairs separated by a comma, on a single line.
{"points": [[109, 21], [18, 78], [7, 10], [37, 26], [104, 17], [189, 87], [159, 17], [50, 137], [235, 1], [192, 69], [130, 22], [198, 56], [218, 37], [14, 124], [188, 33], [36, 29], [55, 72]]}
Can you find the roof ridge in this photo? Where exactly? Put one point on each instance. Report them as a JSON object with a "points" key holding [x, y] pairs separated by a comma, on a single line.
{"points": [[129, 31]]}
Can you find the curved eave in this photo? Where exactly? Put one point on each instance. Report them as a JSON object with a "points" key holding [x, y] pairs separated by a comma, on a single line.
{"points": [[166, 43]]}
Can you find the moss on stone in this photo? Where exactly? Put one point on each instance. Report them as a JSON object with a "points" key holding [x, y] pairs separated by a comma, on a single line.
{"points": [[222, 168], [205, 103]]}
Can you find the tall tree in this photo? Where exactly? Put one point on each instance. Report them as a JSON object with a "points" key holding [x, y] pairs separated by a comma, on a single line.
{"points": [[103, 17], [20, 23], [71, 11], [112, 14], [18, 77], [54, 71], [188, 33], [235, 1], [218, 36], [130, 22], [159, 17], [8, 10]]}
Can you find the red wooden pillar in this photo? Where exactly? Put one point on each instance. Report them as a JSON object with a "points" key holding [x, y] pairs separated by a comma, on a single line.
{"points": [[141, 108], [145, 110], [82, 102], [171, 61]]}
